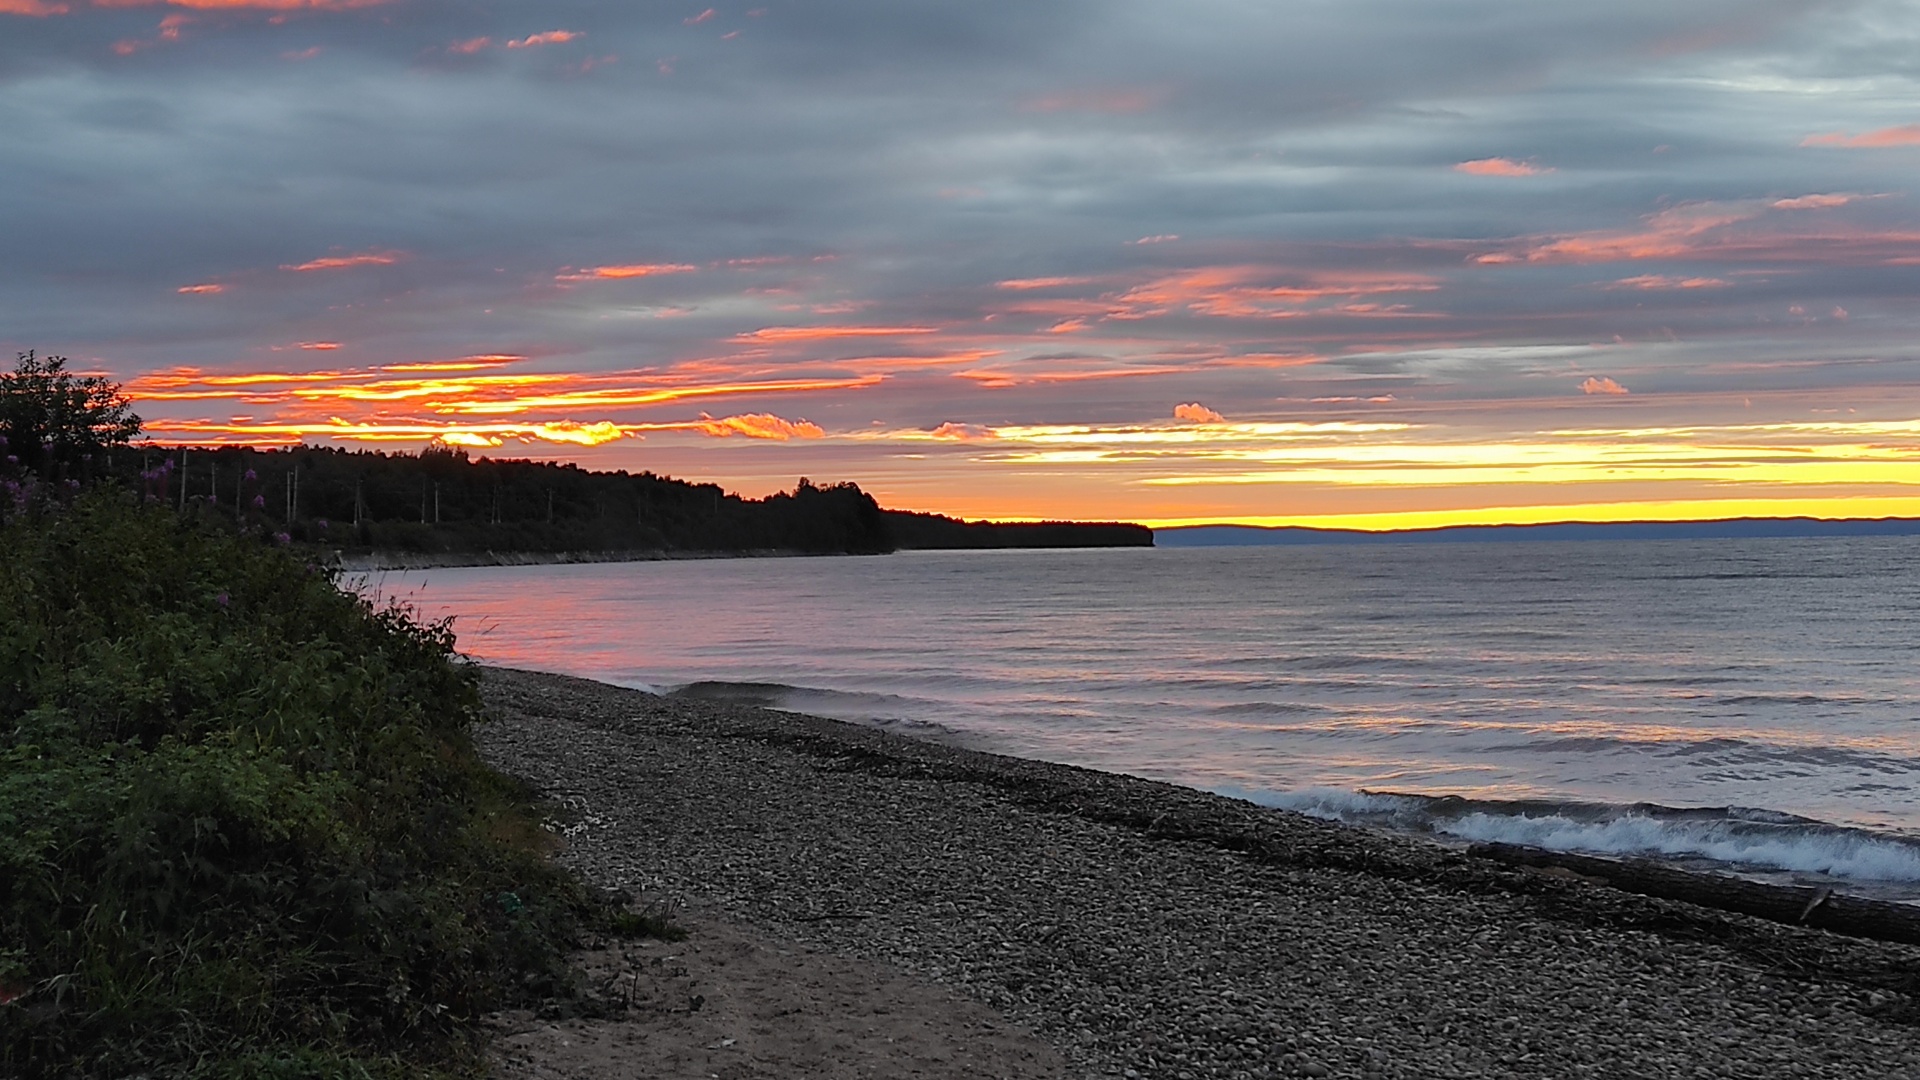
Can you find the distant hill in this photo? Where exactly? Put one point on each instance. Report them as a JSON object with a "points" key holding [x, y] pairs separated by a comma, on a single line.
{"points": [[911, 530], [1733, 529]]}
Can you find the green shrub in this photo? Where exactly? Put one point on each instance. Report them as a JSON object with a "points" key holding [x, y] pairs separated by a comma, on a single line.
{"points": [[242, 829]]}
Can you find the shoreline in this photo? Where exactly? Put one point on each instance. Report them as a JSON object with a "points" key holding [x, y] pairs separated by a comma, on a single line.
{"points": [[1137, 925], [378, 561]]}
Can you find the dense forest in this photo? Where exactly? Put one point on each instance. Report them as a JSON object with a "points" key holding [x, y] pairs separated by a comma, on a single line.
{"points": [[445, 502]]}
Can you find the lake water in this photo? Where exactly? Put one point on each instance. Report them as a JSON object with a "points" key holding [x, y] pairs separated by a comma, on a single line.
{"points": [[1749, 704]]}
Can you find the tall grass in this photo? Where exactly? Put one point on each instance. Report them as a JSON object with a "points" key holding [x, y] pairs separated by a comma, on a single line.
{"points": [[242, 829]]}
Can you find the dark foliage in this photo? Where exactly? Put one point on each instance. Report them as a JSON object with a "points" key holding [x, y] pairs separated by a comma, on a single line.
{"points": [[53, 423], [242, 830], [912, 530], [442, 501]]}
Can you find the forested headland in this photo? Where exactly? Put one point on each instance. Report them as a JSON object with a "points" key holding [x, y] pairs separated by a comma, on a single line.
{"points": [[445, 502]]}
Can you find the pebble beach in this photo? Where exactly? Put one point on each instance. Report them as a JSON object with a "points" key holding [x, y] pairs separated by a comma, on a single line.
{"points": [[1088, 924]]}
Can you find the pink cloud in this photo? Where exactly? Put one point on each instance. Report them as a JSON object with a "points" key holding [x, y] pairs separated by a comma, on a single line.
{"points": [[828, 333], [696, 20], [1904, 135], [1707, 229], [345, 262], [1118, 101], [1241, 292], [204, 289], [1661, 281], [1499, 166], [246, 5], [548, 37], [1813, 202], [469, 46], [1601, 385], [960, 432], [307, 53], [1196, 413], [758, 426], [1668, 233], [38, 9], [1023, 284], [1158, 238]]}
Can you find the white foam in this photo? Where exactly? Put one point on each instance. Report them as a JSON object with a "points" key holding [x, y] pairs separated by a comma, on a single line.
{"points": [[1339, 804], [1841, 855]]}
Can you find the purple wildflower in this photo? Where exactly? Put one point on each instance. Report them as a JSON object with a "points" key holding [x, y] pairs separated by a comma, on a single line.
{"points": [[221, 599], [251, 476], [259, 502], [282, 538], [322, 522]]}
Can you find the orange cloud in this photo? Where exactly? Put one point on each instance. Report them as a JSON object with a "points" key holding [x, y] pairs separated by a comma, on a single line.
{"points": [[550, 37], [1499, 166], [469, 363], [463, 395], [1265, 360], [758, 426], [1601, 385], [344, 262], [38, 9], [566, 432], [1904, 135], [829, 333], [319, 346], [1196, 413], [470, 46], [206, 289], [628, 270]]}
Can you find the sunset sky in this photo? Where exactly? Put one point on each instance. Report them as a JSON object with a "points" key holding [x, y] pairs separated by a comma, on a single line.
{"points": [[1374, 262]]}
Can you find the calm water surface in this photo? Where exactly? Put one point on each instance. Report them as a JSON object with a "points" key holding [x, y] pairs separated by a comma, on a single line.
{"points": [[1762, 694]]}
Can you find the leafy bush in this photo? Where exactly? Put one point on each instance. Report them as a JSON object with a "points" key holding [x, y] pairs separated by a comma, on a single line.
{"points": [[242, 829]]}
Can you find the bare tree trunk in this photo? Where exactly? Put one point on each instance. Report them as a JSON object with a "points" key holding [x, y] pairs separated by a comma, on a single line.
{"points": [[1794, 904]]}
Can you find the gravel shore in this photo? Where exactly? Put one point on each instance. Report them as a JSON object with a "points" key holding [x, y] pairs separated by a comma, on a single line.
{"points": [[1146, 930]]}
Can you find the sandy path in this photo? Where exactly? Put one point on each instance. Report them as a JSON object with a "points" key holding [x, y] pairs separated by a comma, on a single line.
{"points": [[743, 1005]]}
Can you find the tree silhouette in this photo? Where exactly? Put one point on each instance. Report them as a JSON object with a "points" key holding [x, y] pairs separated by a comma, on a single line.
{"points": [[52, 418]]}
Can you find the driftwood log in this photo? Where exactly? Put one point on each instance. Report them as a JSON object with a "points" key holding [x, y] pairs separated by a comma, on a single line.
{"points": [[1793, 904]]}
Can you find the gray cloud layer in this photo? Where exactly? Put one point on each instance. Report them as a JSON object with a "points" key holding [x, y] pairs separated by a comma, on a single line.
{"points": [[902, 158]]}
